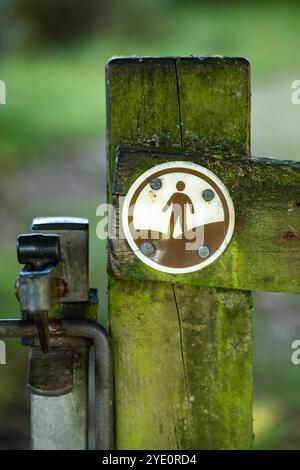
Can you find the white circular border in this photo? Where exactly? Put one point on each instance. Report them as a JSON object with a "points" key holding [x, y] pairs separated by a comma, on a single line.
{"points": [[134, 246]]}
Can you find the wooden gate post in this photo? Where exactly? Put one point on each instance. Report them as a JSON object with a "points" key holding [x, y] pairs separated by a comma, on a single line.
{"points": [[182, 353]]}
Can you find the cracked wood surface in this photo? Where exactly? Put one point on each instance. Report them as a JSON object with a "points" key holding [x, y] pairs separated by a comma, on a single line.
{"points": [[264, 253], [182, 354]]}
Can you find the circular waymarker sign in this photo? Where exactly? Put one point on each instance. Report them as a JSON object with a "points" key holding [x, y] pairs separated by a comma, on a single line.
{"points": [[178, 217]]}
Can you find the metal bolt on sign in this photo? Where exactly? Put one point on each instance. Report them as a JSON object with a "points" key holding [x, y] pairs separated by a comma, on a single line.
{"points": [[208, 195], [156, 183], [203, 252], [147, 248]]}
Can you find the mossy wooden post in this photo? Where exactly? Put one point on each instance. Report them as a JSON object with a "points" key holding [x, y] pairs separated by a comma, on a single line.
{"points": [[182, 353]]}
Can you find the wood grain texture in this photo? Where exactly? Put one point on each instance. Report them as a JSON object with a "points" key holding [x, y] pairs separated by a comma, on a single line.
{"points": [[182, 354], [264, 253]]}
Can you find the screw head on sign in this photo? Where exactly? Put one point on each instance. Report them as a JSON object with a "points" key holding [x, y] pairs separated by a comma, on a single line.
{"points": [[203, 252], [147, 248], [208, 194], [156, 183]]}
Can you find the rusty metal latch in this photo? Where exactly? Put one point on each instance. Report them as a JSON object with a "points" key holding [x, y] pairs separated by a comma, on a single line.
{"points": [[55, 256]]}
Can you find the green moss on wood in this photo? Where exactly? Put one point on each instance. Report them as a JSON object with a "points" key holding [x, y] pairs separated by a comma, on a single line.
{"points": [[182, 355], [264, 252], [183, 368]]}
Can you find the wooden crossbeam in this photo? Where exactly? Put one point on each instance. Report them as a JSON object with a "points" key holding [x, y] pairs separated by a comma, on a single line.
{"points": [[264, 253]]}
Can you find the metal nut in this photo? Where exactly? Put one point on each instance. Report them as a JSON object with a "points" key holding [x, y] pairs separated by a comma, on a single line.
{"points": [[147, 248], [203, 252], [208, 195], [156, 183]]}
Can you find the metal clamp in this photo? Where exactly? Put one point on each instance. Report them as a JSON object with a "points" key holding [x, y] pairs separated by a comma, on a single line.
{"points": [[56, 268]]}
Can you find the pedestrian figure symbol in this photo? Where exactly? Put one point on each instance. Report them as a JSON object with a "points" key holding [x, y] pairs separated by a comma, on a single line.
{"points": [[180, 204], [178, 217]]}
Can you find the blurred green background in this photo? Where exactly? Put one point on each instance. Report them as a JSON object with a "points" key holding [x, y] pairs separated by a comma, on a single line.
{"points": [[52, 150]]}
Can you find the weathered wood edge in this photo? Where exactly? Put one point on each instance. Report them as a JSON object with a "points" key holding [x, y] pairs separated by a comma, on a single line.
{"points": [[161, 155], [211, 59]]}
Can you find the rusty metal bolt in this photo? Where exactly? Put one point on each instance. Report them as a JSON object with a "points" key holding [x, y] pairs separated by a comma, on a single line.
{"points": [[60, 288]]}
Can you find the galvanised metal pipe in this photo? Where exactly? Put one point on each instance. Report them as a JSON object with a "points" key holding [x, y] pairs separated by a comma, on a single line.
{"points": [[17, 329], [103, 377], [103, 365]]}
